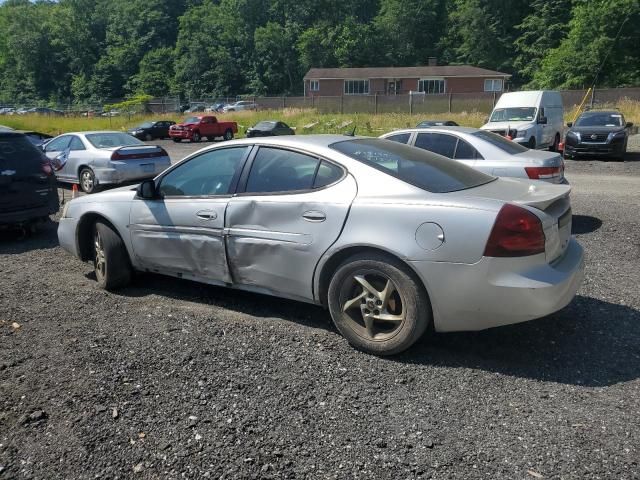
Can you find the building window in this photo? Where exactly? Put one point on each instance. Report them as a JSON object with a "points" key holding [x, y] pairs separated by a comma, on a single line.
{"points": [[492, 85], [431, 86], [314, 85], [356, 87]]}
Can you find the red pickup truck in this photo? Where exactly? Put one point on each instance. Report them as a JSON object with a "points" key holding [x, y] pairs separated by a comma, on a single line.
{"points": [[194, 128]]}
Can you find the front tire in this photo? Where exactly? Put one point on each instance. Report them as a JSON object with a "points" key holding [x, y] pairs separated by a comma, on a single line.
{"points": [[378, 304], [88, 181], [195, 138], [148, 137], [111, 261], [532, 143], [176, 140]]}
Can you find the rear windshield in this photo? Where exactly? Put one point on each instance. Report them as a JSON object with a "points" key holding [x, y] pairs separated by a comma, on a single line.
{"points": [[512, 148], [192, 120], [426, 170], [17, 151], [108, 140]]}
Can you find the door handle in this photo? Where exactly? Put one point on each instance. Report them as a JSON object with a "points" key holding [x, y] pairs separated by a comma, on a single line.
{"points": [[207, 215], [314, 216]]}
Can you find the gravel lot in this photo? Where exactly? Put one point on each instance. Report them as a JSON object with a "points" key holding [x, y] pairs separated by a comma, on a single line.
{"points": [[171, 379]]}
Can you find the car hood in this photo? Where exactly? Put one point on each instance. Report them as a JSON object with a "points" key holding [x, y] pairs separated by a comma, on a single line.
{"points": [[504, 125], [596, 129], [120, 194]]}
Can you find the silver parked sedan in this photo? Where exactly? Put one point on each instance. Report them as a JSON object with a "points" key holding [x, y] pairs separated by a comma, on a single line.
{"points": [[389, 238], [485, 151], [94, 159]]}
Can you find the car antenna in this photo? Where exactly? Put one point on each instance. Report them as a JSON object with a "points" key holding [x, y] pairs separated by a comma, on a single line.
{"points": [[353, 132]]}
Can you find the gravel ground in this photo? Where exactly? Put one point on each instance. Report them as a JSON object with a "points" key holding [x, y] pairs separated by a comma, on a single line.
{"points": [[171, 379]]}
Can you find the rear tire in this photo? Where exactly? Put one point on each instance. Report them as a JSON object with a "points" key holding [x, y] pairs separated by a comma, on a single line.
{"points": [[111, 260], [87, 181], [228, 134], [378, 304]]}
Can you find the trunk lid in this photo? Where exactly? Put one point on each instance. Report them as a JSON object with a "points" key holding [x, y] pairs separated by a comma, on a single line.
{"points": [[550, 202]]}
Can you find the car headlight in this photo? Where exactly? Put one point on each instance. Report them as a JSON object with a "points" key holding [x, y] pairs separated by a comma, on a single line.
{"points": [[619, 134], [575, 135]]}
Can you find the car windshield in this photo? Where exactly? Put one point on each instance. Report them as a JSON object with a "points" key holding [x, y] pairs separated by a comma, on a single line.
{"points": [[512, 148], [146, 124], [516, 114], [108, 140], [423, 169], [604, 119], [192, 120], [265, 125]]}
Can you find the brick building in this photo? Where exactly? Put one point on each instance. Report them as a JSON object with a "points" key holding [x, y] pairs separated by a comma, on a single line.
{"points": [[431, 80]]}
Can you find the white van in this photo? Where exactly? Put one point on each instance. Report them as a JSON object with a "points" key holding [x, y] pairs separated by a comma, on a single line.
{"points": [[534, 118]]}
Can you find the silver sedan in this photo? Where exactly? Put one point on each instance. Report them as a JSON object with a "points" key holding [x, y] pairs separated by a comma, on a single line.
{"points": [[485, 151], [95, 159], [389, 238]]}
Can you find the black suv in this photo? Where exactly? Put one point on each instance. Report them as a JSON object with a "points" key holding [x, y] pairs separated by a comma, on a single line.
{"points": [[601, 133], [28, 191]]}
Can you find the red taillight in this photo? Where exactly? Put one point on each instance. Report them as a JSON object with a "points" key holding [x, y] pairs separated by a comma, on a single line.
{"points": [[541, 173], [516, 233]]}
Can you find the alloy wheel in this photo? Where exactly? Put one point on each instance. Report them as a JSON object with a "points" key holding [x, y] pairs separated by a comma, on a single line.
{"points": [[100, 259], [87, 181], [373, 305]]}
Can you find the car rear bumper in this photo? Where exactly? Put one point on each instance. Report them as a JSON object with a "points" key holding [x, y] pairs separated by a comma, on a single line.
{"points": [[19, 216], [125, 171], [500, 291]]}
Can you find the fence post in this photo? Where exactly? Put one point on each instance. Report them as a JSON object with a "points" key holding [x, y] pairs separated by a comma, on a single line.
{"points": [[341, 103], [593, 96], [375, 103], [410, 103], [450, 94]]}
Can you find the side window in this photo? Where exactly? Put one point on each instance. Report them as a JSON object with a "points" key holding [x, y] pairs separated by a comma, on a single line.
{"points": [[58, 144], [210, 173], [464, 151], [278, 170], [400, 138], [76, 145], [327, 174], [437, 143]]}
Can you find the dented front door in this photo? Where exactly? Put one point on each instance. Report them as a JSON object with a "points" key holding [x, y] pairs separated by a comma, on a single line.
{"points": [[275, 241]]}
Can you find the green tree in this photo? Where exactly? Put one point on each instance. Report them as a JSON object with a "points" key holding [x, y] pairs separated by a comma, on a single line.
{"points": [[592, 31]]}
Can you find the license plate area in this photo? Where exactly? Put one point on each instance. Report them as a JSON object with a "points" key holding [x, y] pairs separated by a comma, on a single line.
{"points": [[564, 228]]}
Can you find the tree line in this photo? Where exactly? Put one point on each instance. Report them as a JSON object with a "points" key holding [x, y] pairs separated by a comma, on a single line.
{"points": [[95, 50]]}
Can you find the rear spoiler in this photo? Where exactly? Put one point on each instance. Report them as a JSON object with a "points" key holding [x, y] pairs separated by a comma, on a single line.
{"points": [[132, 152]]}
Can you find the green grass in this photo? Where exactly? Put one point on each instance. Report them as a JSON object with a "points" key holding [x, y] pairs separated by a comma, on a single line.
{"points": [[303, 120]]}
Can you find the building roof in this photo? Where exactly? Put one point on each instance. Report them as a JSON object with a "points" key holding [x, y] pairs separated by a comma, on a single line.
{"points": [[401, 72]]}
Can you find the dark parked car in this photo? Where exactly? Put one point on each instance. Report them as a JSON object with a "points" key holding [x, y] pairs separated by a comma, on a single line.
{"points": [[602, 133], [28, 191], [437, 123], [269, 128], [151, 130]]}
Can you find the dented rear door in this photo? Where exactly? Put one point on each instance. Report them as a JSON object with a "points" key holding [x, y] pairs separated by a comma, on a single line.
{"points": [[275, 239]]}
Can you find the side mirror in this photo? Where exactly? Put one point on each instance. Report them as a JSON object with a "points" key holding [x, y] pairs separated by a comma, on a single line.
{"points": [[570, 124], [147, 190], [543, 120], [629, 124], [486, 119]]}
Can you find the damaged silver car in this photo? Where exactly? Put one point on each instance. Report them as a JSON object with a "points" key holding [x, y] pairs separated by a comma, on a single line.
{"points": [[388, 237]]}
